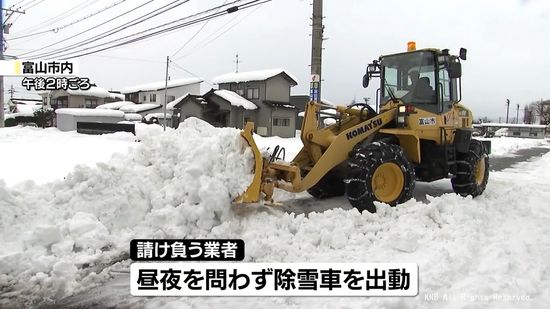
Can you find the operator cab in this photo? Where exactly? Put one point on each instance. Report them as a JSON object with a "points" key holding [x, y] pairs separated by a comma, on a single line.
{"points": [[429, 79]]}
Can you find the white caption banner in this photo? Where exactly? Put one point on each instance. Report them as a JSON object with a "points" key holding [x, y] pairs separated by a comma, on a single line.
{"points": [[273, 279]]}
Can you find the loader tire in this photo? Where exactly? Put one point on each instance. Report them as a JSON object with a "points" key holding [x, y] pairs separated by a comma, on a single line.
{"points": [[329, 186], [378, 172], [472, 170]]}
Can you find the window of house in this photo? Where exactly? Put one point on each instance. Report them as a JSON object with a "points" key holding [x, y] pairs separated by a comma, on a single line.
{"points": [[171, 98], [516, 133], [253, 93], [153, 97], [89, 103], [144, 98], [281, 122], [62, 103]]}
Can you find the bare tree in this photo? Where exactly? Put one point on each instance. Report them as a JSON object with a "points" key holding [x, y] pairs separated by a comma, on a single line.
{"points": [[538, 113]]}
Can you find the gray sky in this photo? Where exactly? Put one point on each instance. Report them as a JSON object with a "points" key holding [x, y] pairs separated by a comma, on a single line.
{"points": [[507, 42]]}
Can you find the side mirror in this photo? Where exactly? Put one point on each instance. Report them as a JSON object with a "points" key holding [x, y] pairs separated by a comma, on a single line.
{"points": [[366, 80], [454, 69], [462, 54]]}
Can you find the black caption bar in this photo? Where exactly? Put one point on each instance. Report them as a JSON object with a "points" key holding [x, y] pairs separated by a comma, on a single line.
{"points": [[187, 249]]}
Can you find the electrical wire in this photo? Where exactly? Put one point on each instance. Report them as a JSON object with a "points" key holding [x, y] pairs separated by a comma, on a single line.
{"points": [[172, 28], [71, 23], [194, 35], [60, 16], [146, 35], [117, 29], [207, 40]]}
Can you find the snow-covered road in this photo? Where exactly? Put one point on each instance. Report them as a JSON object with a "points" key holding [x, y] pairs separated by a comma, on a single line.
{"points": [[62, 238]]}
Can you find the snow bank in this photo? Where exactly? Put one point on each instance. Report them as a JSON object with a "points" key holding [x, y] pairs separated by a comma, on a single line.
{"points": [[235, 99], [506, 146], [150, 116], [132, 117], [175, 185]]}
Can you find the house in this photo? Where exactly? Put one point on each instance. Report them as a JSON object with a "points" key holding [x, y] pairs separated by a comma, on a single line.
{"points": [[219, 107], [90, 98], [269, 90], [511, 130], [153, 93]]}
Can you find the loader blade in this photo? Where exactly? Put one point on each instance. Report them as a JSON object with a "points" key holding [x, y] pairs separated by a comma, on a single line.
{"points": [[252, 193]]}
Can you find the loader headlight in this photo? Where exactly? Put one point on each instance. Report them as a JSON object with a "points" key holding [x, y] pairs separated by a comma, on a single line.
{"points": [[402, 109]]}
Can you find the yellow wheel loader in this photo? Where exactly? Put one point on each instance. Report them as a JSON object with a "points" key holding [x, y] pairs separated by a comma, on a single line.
{"points": [[421, 132]]}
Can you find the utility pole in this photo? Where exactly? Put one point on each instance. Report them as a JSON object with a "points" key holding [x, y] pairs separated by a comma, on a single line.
{"points": [[517, 114], [1, 76], [165, 93], [316, 50], [6, 29], [507, 109]]}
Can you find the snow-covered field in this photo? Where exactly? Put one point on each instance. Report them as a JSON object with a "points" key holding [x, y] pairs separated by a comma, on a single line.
{"points": [[64, 237]]}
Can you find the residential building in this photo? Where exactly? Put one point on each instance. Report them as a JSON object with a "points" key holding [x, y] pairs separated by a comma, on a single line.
{"points": [[153, 93], [221, 108], [269, 90], [90, 98]]}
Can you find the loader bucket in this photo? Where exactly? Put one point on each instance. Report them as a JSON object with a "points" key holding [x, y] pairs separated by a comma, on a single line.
{"points": [[252, 193]]}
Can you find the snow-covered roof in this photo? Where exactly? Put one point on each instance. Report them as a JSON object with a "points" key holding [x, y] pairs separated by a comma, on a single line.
{"points": [[94, 91], [170, 105], [89, 112], [251, 76], [132, 117], [161, 85], [235, 99], [115, 105], [26, 101], [136, 108], [148, 117], [512, 125], [118, 96]]}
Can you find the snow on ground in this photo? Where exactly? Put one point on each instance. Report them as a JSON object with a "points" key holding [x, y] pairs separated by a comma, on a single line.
{"points": [[505, 146], [57, 238], [45, 155]]}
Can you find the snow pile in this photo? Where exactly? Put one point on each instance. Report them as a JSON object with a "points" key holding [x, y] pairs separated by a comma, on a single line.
{"points": [[150, 116], [174, 185], [235, 99], [115, 105]]}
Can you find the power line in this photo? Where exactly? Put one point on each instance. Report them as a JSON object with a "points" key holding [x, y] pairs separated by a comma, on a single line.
{"points": [[30, 7], [117, 29], [207, 40], [88, 29], [71, 23], [146, 35], [189, 72], [194, 35], [60, 16]]}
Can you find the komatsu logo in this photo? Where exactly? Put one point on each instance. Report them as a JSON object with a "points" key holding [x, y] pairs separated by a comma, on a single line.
{"points": [[361, 130]]}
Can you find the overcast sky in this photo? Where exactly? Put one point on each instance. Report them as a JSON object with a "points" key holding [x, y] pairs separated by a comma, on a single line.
{"points": [[507, 42]]}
